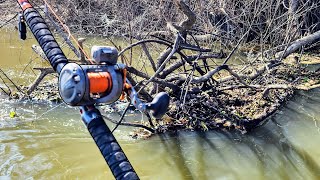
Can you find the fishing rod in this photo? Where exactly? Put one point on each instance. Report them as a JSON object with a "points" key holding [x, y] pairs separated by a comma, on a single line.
{"points": [[104, 81]]}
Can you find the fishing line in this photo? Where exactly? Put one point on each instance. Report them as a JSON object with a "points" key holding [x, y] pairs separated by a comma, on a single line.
{"points": [[48, 111], [122, 117], [8, 21], [67, 30], [25, 68], [60, 31]]}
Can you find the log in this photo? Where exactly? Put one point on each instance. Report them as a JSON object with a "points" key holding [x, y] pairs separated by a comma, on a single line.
{"points": [[296, 45]]}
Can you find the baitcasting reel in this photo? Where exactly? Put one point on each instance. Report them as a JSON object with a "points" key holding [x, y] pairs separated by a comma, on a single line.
{"points": [[104, 82]]}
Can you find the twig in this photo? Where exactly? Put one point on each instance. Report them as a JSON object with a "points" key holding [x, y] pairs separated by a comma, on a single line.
{"points": [[174, 49], [11, 81], [44, 72], [6, 86], [150, 120], [238, 77], [5, 91], [235, 48], [130, 124], [181, 62], [143, 42], [63, 35], [208, 75], [157, 80], [146, 51]]}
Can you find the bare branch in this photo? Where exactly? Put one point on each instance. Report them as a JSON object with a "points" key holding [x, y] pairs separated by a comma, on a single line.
{"points": [[294, 46]]}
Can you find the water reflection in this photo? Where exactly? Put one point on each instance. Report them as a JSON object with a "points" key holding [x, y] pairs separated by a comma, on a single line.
{"points": [[57, 145], [285, 148]]}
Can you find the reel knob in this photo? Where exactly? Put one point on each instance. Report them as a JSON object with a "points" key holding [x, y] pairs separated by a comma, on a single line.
{"points": [[159, 105]]}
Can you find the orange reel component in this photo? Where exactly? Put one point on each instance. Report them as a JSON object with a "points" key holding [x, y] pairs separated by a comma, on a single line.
{"points": [[24, 4], [100, 82]]}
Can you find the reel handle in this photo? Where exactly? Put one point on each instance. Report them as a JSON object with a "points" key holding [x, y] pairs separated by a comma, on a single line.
{"points": [[159, 105]]}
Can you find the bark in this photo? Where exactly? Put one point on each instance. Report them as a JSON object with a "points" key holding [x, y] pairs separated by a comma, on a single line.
{"points": [[292, 29], [43, 73], [186, 24], [191, 16], [296, 45]]}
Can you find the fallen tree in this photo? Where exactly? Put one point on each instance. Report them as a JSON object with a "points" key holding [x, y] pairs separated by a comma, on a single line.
{"points": [[211, 95]]}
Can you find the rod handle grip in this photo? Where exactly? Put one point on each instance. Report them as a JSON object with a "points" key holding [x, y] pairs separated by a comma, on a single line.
{"points": [[108, 145]]}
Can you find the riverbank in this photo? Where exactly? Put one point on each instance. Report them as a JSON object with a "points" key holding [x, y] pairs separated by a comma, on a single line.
{"points": [[228, 106], [237, 103]]}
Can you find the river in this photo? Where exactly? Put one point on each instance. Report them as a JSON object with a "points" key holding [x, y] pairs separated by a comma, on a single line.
{"points": [[49, 141]]}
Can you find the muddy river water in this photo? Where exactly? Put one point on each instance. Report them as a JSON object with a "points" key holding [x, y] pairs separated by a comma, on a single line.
{"points": [[49, 141]]}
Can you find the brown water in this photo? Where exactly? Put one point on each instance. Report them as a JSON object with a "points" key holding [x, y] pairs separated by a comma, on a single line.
{"points": [[49, 141]]}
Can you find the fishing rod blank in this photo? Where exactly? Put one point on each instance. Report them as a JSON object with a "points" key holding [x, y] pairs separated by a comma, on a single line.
{"points": [[104, 139]]}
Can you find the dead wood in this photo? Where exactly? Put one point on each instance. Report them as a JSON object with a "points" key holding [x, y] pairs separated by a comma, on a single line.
{"points": [[11, 81], [296, 45], [82, 55], [185, 24], [157, 80], [43, 73]]}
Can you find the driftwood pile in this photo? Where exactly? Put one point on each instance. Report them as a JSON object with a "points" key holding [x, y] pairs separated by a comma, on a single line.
{"points": [[210, 93]]}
